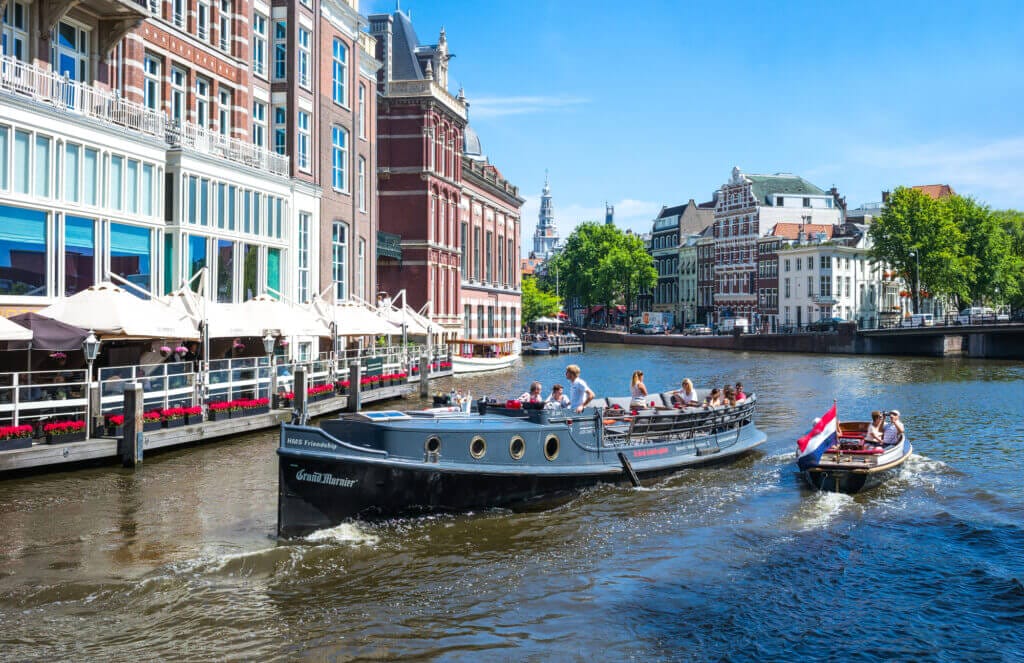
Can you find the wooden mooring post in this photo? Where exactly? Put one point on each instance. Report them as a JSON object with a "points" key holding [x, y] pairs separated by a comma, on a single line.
{"points": [[299, 387], [424, 376], [354, 402], [130, 447]]}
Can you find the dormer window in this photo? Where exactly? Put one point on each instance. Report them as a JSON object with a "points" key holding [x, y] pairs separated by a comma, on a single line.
{"points": [[778, 201]]}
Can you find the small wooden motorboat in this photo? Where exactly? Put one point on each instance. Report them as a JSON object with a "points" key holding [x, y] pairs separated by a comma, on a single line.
{"points": [[390, 463], [483, 354], [834, 456]]}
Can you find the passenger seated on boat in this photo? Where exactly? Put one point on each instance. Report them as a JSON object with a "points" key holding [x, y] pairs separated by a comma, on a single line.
{"points": [[740, 395], [892, 433], [874, 434], [686, 396], [728, 396], [558, 396], [533, 395], [714, 399]]}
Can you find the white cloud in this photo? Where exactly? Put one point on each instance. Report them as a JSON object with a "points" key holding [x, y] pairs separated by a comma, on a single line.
{"points": [[992, 171], [499, 106], [630, 214]]}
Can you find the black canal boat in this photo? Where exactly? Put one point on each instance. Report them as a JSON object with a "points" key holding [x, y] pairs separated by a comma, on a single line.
{"points": [[389, 463]]}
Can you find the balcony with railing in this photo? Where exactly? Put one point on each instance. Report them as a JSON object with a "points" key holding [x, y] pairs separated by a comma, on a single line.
{"points": [[427, 88], [43, 86]]}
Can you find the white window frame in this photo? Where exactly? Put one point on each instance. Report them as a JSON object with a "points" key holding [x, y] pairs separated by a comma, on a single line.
{"points": [[259, 45], [339, 260], [14, 37], [179, 95], [259, 124], [280, 50], [224, 111], [305, 38], [339, 158], [362, 183], [302, 133], [179, 11], [203, 20], [362, 268], [225, 25], [339, 73], [202, 102], [151, 70], [280, 129], [362, 111]]}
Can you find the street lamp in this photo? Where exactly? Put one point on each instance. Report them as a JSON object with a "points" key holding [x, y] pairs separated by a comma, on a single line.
{"points": [[268, 347], [90, 348], [917, 281]]}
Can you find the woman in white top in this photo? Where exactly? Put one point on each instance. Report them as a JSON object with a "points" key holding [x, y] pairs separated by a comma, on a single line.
{"points": [[687, 396], [637, 390]]}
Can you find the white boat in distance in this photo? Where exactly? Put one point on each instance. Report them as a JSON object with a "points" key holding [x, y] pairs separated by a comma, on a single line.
{"points": [[483, 354]]}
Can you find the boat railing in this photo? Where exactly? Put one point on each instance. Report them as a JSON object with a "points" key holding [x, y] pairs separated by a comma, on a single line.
{"points": [[716, 428]]}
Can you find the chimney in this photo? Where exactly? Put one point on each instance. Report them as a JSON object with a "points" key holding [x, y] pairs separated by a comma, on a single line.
{"points": [[800, 234]]}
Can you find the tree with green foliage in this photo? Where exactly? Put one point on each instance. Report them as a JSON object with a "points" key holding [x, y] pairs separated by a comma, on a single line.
{"points": [[537, 302], [1012, 223], [912, 223], [601, 264], [987, 250]]}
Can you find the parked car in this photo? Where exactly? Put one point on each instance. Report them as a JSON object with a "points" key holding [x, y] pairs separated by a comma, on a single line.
{"points": [[918, 320], [825, 325], [697, 329], [732, 325], [654, 329], [976, 315]]}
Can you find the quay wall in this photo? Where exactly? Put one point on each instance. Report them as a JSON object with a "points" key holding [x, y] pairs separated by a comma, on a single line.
{"points": [[839, 343]]}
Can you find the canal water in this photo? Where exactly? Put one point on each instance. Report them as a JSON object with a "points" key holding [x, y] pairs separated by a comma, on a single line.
{"points": [[178, 561]]}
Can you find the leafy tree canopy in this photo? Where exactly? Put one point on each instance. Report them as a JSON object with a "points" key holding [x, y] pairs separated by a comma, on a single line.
{"points": [[537, 303]]}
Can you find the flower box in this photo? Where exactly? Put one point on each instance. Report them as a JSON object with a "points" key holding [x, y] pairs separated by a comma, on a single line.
{"points": [[16, 437], [175, 422], [15, 443], [59, 432], [342, 387]]}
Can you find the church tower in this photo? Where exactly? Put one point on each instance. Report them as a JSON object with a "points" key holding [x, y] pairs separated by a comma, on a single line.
{"points": [[546, 236]]}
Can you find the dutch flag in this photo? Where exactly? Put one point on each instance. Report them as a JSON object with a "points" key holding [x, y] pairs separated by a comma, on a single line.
{"points": [[810, 447]]}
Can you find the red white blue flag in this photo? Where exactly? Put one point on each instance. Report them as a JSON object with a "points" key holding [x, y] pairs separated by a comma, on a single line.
{"points": [[823, 435]]}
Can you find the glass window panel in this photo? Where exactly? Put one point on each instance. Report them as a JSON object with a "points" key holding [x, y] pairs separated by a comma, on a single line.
{"points": [[22, 140], [222, 190], [71, 162], [116, 173], [246, 210], [204, 202], [79, 253], [231, 207], [250, 271], [4, 149], [130, 254], [225, 270], [42, 185], [274, 272], [168, 263], [256, 200], [196, 257], [90, 177], [22, 252], [131, 187], [147, 189]]}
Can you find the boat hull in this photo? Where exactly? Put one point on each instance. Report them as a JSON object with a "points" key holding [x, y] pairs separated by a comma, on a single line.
{"points": [[351, 469], [461, 365], [831, 477]]}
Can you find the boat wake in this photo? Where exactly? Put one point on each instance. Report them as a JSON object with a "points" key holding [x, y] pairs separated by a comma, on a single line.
{"points": [[344, 533], [820, 509]]}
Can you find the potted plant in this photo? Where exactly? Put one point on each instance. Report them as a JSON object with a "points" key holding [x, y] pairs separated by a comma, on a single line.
{"points": [[59, 432], [219, 410], [114, 423], [151, 420], [343, 387], [173, 417], [284, 399], [16, 437]]}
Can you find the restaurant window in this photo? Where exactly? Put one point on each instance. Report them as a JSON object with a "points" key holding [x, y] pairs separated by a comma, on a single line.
{"points": [[79, 254], [225, 271], [131, 255], [250, 271], [274, 273], [23, 251]]}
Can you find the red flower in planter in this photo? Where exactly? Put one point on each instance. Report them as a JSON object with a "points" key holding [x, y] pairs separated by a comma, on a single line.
{"points": [[220, 406], [344, 384], [364, 381], [15, 432], [151, 416], [115, 419], [64, 427]]}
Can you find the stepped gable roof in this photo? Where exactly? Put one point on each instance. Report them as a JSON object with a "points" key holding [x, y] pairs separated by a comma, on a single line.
{"points": [[766, 186], [792, 230], [405, 66], [935, 191]]}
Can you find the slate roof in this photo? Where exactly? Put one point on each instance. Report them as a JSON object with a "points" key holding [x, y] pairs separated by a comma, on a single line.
{"points": [[766, 187], [405, 66]]}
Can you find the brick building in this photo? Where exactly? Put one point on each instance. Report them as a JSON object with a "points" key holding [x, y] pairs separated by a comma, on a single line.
{"points": [[458, 219]]}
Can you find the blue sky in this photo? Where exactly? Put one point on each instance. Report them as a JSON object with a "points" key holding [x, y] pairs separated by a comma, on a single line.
{"points": [[650, 103]]}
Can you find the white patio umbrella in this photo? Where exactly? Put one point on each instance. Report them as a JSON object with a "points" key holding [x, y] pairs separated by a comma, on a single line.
{"points": [[12, 331], [546, 321], [258, 316], [415, 324], [354, 319], [113, 312]]}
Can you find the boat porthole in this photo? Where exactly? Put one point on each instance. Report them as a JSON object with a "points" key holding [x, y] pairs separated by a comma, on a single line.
{"points": [[477, 447], [551, 447], [517, 447], [433, 445]]}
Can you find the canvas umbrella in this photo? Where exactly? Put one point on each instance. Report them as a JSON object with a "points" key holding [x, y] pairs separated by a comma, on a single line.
{"points": [[10, 331], [114, 313]]}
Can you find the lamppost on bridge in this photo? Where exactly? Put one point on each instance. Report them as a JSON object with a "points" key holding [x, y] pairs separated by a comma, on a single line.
{"points": [[917, 281]]}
